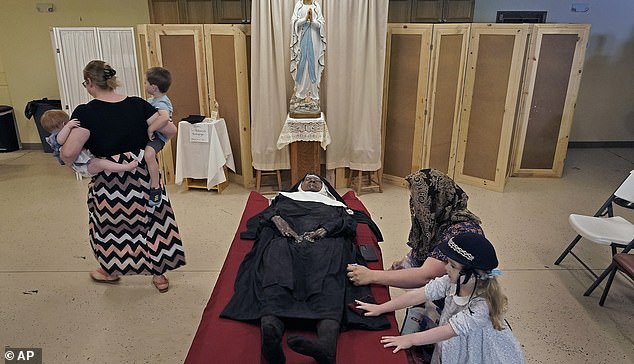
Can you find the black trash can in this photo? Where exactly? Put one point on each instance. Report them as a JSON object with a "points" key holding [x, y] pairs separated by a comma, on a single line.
{"points": [[8, 130], [35, 109]]}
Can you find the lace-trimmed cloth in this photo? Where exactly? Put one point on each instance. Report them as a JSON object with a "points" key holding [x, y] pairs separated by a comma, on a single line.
{"points": [[305, 130]]}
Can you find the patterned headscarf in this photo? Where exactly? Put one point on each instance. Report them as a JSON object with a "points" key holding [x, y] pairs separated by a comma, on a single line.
{"points": [[435, 200]]}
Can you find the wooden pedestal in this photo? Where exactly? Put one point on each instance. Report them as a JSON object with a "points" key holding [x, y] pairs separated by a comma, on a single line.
{"points": [[304, 159]]}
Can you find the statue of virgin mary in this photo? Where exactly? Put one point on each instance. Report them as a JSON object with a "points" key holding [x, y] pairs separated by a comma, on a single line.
{"points": [[308, 46]]}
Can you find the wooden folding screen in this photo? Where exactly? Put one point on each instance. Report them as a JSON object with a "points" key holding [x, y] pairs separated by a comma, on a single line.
{"points": [[450, 99], [227, 72], [404, 99], [207, 63], [180, 49], [448, 59], [491, 107], [553, 73], [493, 75]]}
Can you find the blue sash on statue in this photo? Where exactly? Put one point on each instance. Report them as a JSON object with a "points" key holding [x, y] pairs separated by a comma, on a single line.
{"points": [[306, 54]]}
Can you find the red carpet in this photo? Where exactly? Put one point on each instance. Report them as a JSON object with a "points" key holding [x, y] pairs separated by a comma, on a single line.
{"points": [[221, 341]]}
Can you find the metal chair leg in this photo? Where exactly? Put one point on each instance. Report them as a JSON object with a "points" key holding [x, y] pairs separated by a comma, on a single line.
{"points": [[568, 249], [607, 286], [600, 279]]}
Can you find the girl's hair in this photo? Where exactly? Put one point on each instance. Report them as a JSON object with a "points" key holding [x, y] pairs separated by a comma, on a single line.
{"points": [[491, 291], [101, 74], [54, 120]]}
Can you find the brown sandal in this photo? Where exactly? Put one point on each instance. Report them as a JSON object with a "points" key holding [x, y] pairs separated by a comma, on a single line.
{"points": [[163, 285], [100, 275]]}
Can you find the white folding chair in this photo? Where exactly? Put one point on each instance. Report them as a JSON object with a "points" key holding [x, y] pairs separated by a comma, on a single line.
{"points": [[604, 228]]}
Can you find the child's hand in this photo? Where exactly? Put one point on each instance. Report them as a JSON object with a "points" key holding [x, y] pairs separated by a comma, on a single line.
{"points": [[372, 309], [72, 124], [400, 342]]}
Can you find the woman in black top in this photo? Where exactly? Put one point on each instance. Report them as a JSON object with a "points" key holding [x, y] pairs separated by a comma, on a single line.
{"points": [[127, 236]]}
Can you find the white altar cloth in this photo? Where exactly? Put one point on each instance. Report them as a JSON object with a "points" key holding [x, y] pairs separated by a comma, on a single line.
{"points": [[304, 130], [202, 151]]}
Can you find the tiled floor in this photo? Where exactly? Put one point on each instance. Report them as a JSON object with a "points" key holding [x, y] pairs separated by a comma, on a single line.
{"points": [[47, 299]]}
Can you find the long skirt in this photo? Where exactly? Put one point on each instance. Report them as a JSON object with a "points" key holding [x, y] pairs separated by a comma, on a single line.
{"points": [[127, 235]]}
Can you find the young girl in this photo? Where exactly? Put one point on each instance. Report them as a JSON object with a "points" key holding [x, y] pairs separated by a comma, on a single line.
{"points": [[471, 327]]}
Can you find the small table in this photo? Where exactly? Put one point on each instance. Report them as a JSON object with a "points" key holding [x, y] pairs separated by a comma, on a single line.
{"points": [[202, 151], [304, 136]]}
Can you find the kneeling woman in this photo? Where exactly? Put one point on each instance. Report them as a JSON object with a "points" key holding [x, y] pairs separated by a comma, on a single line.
{"points": [[297, 270]]}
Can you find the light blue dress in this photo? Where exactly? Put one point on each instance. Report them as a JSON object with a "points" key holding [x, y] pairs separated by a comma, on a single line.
{"points": [[477, 341]]}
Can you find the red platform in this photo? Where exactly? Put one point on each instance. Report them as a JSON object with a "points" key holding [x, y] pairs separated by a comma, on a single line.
{"points": [[221, 341]]}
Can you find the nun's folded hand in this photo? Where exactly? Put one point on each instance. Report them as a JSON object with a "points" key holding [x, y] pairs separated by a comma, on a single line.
{"points": [[284, 228], [315, 234]]}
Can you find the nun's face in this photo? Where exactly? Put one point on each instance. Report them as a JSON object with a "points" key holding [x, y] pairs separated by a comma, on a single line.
{"points": [[312, 183]]}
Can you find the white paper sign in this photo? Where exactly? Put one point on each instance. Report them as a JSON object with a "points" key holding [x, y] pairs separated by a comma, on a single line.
{"points": [[199, 134]]}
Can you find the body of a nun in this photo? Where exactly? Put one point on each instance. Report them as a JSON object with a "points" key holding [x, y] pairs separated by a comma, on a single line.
{"points": [[297, 270]]}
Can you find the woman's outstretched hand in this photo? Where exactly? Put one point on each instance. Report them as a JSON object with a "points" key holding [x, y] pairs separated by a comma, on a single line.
{"points": [[359, 275], [400, 342]]}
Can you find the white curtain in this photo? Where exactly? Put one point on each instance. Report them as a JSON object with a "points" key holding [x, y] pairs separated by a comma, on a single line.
{"points": [[118, 50], [351, 89], [271, 83], [75, 47], [355, 62]]}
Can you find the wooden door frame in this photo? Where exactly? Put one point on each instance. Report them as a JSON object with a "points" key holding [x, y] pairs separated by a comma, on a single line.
{"points": [[425, 32], [532, 63], [519, 31]]}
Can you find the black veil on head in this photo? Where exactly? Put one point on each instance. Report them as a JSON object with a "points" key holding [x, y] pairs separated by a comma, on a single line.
{"points": [[358, 215], [333, 192]]}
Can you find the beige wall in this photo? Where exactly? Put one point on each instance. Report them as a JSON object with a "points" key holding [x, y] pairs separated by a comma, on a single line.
{"points": [[5, 98], [27, 63]]}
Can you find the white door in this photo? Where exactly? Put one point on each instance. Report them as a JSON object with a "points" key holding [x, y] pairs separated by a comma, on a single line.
{"points": [[75, 47]]}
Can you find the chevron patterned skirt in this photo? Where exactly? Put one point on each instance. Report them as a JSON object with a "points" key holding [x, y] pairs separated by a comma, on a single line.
{"points": [[128, 236]]}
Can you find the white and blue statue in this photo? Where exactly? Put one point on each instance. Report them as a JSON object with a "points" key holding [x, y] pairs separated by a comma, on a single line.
{"points": [[308, 47]]}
